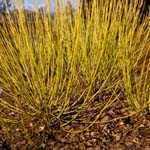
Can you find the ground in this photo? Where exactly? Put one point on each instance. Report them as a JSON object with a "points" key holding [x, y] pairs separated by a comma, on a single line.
{"points": [[116, 130]]}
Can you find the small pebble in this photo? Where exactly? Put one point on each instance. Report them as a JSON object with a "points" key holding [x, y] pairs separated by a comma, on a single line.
{"points": [[118, 136], [42, 146], [41, 128], [30, 124]]}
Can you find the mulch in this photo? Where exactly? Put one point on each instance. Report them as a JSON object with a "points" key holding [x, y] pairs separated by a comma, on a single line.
{"points": [[116, 130]]}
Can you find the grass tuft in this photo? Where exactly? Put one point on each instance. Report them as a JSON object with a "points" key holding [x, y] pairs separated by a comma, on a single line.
{"points": [[53, 66]]}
